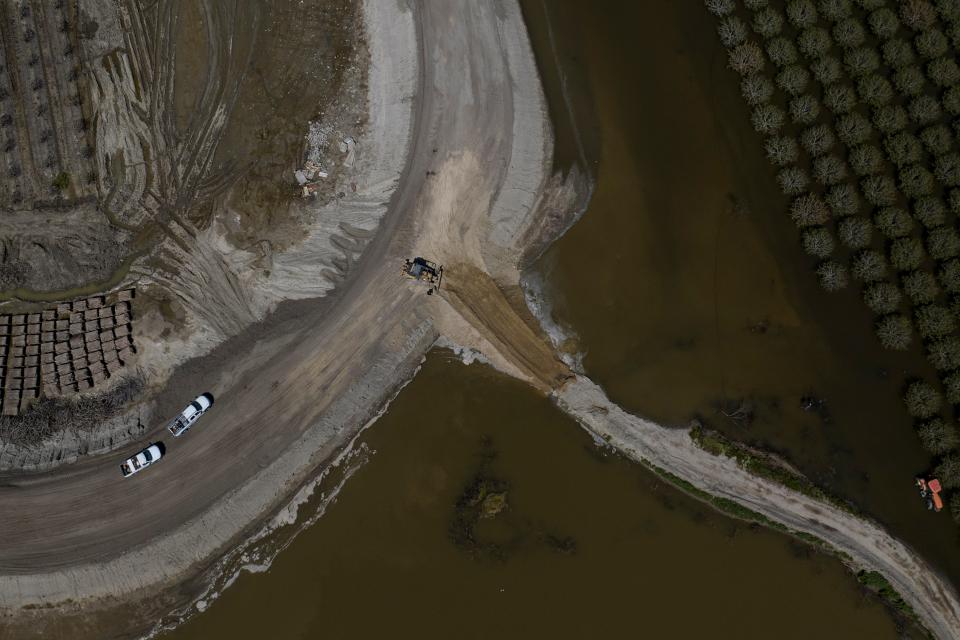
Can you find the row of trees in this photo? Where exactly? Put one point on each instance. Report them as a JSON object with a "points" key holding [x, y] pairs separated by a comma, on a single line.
{"points": [[918, 15], [855, 106]]}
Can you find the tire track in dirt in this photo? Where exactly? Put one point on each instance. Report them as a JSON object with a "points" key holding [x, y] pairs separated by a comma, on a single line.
{"points": [[85, 533]]}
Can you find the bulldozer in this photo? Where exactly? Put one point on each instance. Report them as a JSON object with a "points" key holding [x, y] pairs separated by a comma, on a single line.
{"points": [[423, 270]]}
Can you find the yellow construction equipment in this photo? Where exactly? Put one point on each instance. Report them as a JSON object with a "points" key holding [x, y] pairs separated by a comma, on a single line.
{"points": [[423, 270]]}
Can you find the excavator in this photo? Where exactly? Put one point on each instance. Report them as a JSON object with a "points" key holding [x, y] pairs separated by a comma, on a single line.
{"points": [[930, 491]]}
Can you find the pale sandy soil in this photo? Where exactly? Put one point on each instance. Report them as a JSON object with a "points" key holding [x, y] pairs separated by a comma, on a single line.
{"points": [[294, 391]]}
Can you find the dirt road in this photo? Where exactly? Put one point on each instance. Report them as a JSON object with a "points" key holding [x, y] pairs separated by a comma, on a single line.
{"points": [[286, 402]]}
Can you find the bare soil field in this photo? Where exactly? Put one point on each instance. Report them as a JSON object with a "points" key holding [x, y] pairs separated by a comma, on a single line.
{"points": [[183, 204]]}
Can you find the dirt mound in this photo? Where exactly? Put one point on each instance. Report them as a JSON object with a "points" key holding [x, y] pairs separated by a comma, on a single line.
{"points": [[49, 250]]}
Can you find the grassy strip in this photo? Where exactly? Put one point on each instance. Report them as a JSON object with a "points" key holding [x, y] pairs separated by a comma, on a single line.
{"points": [[875, 581], [758, 465], [735, 509]]}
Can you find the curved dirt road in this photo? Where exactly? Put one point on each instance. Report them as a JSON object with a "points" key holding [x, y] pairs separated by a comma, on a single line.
{"points": [[301, 392], [287, 402]]}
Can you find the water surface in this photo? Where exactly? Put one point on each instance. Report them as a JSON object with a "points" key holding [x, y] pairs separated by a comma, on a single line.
{"points": [[589, 544], [698, 301], [695, 294]]}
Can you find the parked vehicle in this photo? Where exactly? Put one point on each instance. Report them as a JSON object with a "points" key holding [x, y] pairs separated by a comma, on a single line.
{"points": [[423, 270], [191, 414], [142, 460], [930, 491]]}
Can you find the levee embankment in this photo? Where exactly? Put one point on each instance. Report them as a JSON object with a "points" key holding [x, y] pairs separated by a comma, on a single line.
{"points": [[867, 545]]}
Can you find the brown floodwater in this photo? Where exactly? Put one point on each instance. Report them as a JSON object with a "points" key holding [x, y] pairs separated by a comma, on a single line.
{"points": [[698, 294], [699, 301], [588, 544]]}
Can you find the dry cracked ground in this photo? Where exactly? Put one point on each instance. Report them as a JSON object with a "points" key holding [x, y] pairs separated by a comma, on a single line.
{"points": [[155, 145]]}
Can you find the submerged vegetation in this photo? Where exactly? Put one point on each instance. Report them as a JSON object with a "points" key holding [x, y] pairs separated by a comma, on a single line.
{"points": [[857, 100], [485, 497], [882, 587]]}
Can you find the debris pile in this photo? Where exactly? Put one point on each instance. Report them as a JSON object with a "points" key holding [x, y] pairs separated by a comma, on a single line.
{"points": [[312, 172], [317, 136], [309, 178]]}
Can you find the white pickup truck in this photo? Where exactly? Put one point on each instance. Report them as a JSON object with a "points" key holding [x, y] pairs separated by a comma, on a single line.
{"points": [[191, 414], [142, 460]]}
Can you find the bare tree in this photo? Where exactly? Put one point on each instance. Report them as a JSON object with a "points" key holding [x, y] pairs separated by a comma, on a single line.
{"points": [[898, 53], [884, 23], [834, 10], [931, 44], [922, 400], [894, 332], [855, 232], [918, 14], [906, 254], [768, 23], [833, 276], [848, 33], [720, 7], [893, 222], [882, 297], [869, 266], [781, 150], [732, 31]]}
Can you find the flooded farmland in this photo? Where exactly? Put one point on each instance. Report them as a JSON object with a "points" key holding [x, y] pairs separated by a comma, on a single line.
{"points": [[701, 303], [583, 543]]}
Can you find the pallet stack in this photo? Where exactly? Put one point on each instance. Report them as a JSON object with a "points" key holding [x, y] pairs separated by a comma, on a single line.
{"points": [[70, 348]]}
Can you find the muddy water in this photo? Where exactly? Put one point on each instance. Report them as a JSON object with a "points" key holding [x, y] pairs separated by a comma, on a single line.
{"points": [[578, 542], [588, 545], [698, 301]]}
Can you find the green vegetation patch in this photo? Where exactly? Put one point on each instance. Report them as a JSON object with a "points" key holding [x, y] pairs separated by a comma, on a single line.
{"points": [[62, 181], [731, 508], [764, 466], [875, 581], [740, 512]]}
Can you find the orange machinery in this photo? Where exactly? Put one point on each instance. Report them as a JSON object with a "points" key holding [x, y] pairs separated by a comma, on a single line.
{"points": [[930, 490]]}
